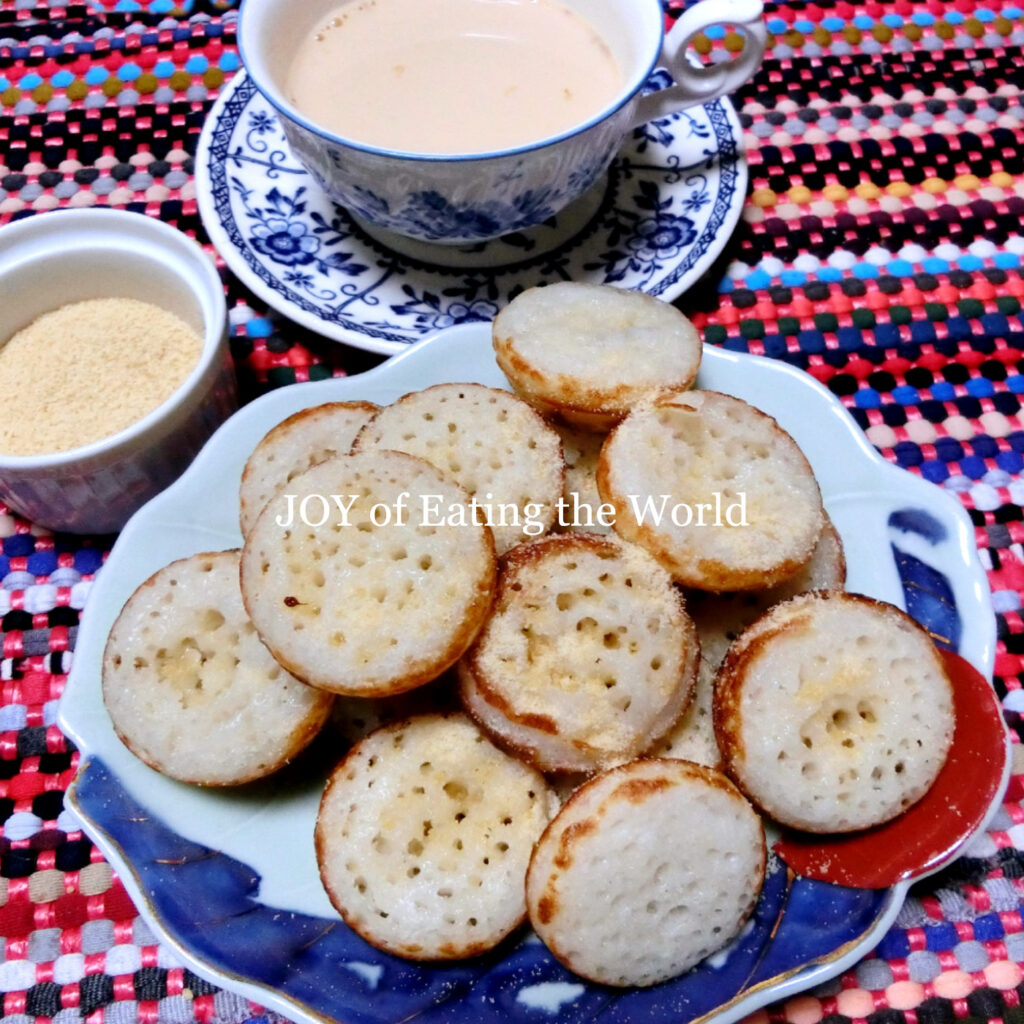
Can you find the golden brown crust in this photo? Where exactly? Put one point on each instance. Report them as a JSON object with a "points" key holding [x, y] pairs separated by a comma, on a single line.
{"points": [[349, 768], [559, 849], [300, 736], [534, 551], [703, 573], [420, 672], [515, 367], [467, 677], [830, 534], [728, 694], [423, 671], [597, 413], [563, 856], [343, 770], [730, 678], [310, 660], [790, 618], [695, 570], [547, 741], [587, 353], [314, 411], [247, 514]]}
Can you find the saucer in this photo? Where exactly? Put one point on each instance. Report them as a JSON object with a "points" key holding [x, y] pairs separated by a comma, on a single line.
{"points": [[654, 223]]}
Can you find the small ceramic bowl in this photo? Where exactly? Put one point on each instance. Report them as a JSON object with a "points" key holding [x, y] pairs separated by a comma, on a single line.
{"points": [[51, 259]]}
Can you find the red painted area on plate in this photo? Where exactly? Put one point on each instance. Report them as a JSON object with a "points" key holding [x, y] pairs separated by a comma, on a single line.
{"points": [[929, 833]]}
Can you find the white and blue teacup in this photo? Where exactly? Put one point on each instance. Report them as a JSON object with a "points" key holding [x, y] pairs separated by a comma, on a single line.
{"points": [[471, 197]]}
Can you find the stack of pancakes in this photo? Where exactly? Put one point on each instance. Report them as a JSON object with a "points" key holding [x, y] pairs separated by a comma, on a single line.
{"points": [[542, 710]]}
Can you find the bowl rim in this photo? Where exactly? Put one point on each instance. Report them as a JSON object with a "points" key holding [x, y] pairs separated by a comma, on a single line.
{"points": [[195, 269], [256, 69]]}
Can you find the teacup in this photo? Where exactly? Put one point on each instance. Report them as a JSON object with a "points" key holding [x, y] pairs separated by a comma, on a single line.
{"points": [[474, 196]]}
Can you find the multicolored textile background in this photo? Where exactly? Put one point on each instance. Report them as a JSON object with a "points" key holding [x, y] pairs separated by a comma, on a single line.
{"points": [[881, 250]]}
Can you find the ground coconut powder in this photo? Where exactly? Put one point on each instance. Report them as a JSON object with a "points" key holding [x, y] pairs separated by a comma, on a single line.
{"points": [[88, 370]]}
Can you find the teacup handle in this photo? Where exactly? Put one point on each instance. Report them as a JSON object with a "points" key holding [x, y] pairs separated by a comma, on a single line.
{"points": [[703, 83]]}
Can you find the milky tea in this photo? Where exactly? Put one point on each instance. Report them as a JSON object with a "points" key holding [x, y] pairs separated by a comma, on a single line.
{"points": [[451, 76]]}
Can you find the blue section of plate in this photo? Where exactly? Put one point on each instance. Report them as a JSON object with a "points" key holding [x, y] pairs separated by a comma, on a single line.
{"points": [[926, 590], [208, 901]]}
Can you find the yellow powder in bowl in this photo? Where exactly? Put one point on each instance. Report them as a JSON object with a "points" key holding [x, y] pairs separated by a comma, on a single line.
{"points": [[87, 370]]}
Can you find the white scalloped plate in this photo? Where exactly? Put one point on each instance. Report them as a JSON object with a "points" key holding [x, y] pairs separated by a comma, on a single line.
{"points": [[230, 879]]}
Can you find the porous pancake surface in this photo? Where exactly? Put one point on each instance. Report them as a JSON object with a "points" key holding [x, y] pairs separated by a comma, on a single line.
{"points": [[372, 601], [714, 489], [833, 712], [293, 446], [491, 442], [588, 657], [192, 691], [720, 619], [647, 870], [424, 834]]}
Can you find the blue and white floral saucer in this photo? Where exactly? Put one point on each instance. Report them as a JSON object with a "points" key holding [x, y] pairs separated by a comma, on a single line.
{"points": [[656, 223]]}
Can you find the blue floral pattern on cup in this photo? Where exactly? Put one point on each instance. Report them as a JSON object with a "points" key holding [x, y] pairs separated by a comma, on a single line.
{"points": [[491, 202]]}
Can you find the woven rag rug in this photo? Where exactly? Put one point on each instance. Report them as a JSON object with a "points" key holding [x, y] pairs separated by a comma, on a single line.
{"points": [[880, 249]]}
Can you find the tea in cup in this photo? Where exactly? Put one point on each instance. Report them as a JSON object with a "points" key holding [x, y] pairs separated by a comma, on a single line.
{"points": [[456, 121], [452, 76]]}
